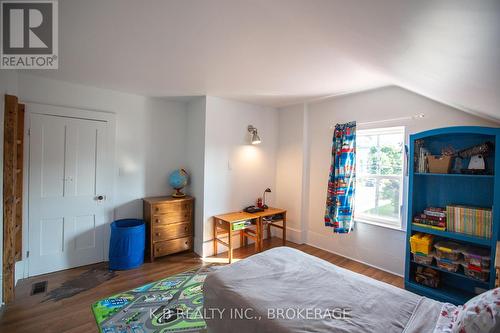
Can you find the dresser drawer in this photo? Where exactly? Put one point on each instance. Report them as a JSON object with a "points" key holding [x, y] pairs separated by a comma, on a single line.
{"points": [[172, 246], [171, 231], [171, 217], [165, 208]]}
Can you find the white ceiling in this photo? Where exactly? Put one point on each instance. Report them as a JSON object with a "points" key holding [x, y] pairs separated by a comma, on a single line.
{"points": [[278, 52]]}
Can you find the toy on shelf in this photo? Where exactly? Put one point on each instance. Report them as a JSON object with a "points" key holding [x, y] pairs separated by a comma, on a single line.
{"points": [[481, 274], [439, 164], [427, 276], [448, 250], [421, 243], [423, 259], [426, 161], [477, 154], [476, 257], [476, 263], [448, 265]]}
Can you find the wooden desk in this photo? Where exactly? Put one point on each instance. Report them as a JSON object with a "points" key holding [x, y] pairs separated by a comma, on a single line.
{"points": [[269, 213], [225, 224]]}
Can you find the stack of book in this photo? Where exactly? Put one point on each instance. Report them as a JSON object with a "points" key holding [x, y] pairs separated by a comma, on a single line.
{"points": [[432, 217], [421, 153]]}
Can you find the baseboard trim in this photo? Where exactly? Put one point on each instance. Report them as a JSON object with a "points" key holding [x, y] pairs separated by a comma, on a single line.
{"points": [[312, 240], [292, 234]]}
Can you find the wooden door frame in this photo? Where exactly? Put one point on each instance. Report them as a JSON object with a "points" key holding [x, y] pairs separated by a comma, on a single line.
{"points": [[12, 192], [68, 112]]}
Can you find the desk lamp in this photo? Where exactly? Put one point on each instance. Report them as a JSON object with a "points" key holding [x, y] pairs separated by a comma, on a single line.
{"points": [[268, 190]]}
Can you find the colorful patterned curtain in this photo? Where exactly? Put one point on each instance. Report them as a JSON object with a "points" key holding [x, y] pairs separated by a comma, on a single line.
{"points": [[342, 180]]}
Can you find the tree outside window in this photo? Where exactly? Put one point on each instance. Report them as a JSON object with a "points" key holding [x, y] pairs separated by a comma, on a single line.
{"points": [[379, 162]]}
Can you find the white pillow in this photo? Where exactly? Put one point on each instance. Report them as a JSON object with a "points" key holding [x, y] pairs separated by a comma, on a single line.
{"points": [[480, 314], [447, 318]]}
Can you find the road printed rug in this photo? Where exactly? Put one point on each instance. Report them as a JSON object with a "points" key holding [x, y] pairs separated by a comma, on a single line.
{"points": [[172, 304]]}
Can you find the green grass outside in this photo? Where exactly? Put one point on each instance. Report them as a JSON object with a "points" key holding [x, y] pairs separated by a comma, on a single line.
{"points": [[385, 210]]}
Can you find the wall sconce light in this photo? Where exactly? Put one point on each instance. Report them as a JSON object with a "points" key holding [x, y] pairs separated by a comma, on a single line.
{"points": [[255, 137]]}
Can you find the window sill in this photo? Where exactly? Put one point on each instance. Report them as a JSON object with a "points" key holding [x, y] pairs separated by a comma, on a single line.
{"points": [[379, 224]]}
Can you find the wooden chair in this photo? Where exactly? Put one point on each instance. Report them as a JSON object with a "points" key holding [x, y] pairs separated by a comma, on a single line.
{"points": [[253, 233]]}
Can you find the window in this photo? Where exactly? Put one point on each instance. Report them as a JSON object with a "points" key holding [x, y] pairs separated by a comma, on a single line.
{"points": [[379, 175]]}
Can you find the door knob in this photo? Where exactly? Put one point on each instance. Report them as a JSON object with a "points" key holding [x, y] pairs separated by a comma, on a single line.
{"points": [[100, 197]]}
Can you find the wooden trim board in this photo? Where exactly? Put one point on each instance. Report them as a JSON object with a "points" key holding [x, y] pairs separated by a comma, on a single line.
{"points": [[12, 192]]}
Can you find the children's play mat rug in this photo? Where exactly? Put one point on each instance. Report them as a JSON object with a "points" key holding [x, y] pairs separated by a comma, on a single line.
{"points": [[173, 304]]}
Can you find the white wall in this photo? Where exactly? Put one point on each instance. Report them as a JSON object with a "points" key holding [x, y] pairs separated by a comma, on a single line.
{"points": [[290, 169], [149, 135], [149, 141], [8, 85], [374, 245], [207, 135], [195, 150], [236, 172], [165, 137]]}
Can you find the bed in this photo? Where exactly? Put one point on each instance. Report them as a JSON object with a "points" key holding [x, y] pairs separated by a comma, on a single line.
{"points": [[286, 290]]}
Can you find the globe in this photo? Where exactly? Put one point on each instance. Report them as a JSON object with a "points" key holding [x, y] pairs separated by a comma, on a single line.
{"points": [[178, 180]]}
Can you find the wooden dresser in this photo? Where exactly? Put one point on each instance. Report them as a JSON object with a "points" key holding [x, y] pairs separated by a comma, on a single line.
{"points": [[169, 225]]}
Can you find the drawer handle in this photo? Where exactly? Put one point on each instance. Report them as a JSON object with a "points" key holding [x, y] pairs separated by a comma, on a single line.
{"points": [[158, 234], [186, 228], [186, 242], [186, 215], [157, 209], [157, 220]]}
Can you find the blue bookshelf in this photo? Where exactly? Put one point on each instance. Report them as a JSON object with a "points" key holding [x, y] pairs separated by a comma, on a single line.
{"points": [[440, 190]]}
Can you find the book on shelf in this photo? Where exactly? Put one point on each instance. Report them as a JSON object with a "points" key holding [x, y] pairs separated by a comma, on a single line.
{"points": [[421, 153], [432, 217], [435, 212], [473, 221], [435, 227], [436, 209], [426, 215], [422, 218]]}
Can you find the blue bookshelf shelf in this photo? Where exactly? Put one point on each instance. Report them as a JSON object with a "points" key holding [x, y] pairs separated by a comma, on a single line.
{"points": [[463, 175], [458, 274], [443, 293], [454, 235], [440, 190]]}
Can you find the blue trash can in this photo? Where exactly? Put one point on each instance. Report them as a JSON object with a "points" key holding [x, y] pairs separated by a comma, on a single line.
{"points": [[127, 244]]}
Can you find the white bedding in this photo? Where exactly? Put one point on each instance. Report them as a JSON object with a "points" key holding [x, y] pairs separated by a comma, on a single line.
{"points": [[312, 295]]}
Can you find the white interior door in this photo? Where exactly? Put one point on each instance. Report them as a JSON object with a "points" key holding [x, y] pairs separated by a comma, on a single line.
{"points": [[67, 176]]}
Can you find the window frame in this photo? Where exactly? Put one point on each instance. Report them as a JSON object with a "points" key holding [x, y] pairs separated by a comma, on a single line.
{"points": [[396, 224]]}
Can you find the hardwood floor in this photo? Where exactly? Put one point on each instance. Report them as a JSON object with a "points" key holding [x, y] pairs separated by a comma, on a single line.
{"points": [[29, 314]]}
